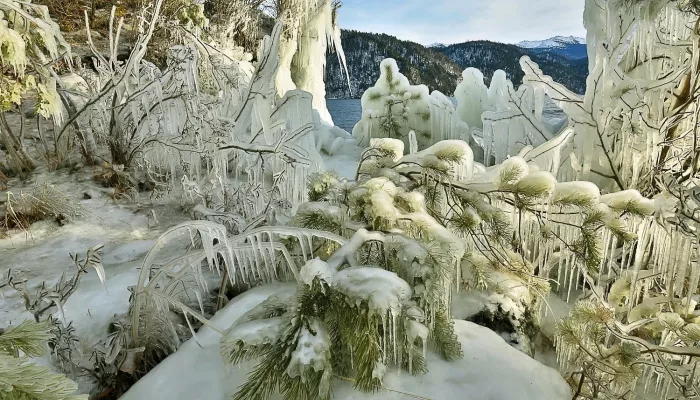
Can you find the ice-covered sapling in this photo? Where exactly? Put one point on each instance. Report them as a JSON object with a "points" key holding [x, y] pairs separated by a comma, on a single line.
{"points": [[394, 108]]}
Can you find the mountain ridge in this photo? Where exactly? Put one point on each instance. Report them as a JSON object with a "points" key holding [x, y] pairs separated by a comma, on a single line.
{"points": [[555, 41], [364, 51]]}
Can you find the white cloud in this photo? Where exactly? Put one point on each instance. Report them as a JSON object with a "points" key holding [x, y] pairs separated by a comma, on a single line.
{"points": [[454, 21]]}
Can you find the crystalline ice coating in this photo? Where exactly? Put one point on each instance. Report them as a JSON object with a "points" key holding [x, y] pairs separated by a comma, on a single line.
{"points": [[312, 352], [255, 332]]}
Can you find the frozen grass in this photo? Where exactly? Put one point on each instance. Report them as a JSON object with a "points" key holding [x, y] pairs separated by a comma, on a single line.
{"points": [[41, 253]]}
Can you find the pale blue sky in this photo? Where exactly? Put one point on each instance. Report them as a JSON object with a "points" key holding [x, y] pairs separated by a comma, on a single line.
{"points": [[455, 21]]}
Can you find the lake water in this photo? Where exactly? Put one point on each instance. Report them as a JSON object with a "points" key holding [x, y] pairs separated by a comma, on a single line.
{"points": [[348, 112], [345, 112]]}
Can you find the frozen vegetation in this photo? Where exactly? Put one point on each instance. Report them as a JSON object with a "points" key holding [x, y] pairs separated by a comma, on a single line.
{"points": [[200, 229]]}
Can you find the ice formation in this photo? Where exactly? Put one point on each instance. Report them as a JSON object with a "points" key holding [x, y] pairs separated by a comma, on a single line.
{"points": [[216, 146], [627, 127], [312, 352], [638, 60], [255, 333], [316, 269], [502, 120]]}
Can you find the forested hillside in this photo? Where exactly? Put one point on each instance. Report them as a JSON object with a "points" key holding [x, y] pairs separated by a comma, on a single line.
{"points": [[490, 56], [364, 52], [440, 67]]}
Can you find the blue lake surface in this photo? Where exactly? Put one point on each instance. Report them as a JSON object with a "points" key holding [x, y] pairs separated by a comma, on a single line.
{"points": [[345, 112]]}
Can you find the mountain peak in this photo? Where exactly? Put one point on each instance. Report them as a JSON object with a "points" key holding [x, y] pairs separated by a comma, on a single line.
{"points": [[436, 46], [553, 42]]}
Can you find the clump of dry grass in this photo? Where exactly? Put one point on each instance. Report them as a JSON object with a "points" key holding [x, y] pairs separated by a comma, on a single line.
{"points": [[115, 176], [43, 202]]}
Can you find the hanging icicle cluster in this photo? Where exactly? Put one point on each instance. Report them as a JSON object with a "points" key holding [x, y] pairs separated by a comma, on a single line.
{"points": [[633, 128], [636, 115], [257, 256]]}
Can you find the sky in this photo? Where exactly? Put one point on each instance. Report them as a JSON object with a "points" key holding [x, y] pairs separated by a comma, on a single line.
{"points": [[456, 21]]}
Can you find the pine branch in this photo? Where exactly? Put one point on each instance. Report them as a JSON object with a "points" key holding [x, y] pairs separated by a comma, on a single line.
{"points": [[28, 337], [22, 380]]}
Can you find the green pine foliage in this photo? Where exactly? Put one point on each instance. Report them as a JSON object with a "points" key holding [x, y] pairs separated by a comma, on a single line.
{"points": [[20, 379], [322, 334], [362, 342]]}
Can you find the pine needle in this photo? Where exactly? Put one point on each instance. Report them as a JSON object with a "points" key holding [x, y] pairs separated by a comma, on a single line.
{"points": [[29, 337], [22, 380]]}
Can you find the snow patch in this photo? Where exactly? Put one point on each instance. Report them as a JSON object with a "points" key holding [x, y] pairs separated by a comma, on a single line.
{"points": [[487, 360], [383, 290], [316, 269]]}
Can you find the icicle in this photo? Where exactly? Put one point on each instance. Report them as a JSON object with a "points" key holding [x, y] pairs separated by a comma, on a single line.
{"points": [[384, 335], [302, 244], [413, 143], [310, 239], [410, 359], [572, 273], [394, 334]]}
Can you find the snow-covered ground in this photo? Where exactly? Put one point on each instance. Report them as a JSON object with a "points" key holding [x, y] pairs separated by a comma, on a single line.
{"points": [[345, 161], [490, 369]]}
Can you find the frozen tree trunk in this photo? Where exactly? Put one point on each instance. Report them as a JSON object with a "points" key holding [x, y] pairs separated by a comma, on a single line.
{"points": [[310, 29], [309, 63]]}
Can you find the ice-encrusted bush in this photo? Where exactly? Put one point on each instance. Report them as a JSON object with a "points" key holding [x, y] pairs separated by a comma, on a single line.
{"points": [[315, 334], [393, 108], [391, 285], [439, 221], [632, 129]]}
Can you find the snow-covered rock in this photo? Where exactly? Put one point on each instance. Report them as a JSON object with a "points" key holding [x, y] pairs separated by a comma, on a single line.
{"points": [[490, 369]]}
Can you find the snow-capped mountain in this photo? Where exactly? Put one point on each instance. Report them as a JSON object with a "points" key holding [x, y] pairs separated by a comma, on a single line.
{"points": [[571, 47], [437, 46], [553, 42]]}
